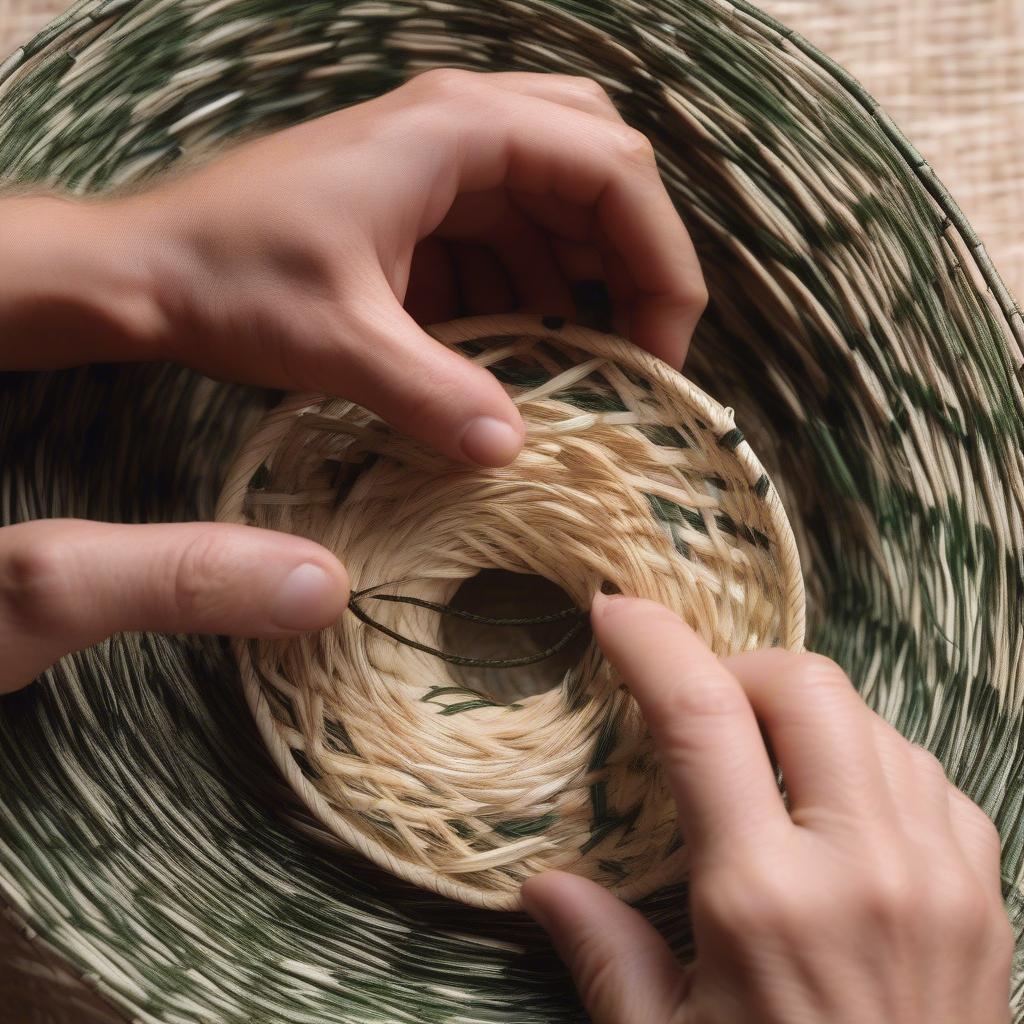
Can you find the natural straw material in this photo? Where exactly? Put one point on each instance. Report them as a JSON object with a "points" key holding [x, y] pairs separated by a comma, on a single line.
{"points": [[857, 326], [631, 477]]}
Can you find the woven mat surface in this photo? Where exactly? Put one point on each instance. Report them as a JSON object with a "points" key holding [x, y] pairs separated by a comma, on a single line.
{"points": [[949, 72]]}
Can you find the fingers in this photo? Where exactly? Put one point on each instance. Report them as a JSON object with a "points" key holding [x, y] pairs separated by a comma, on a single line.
{"points": [[623, 969], [67, 583], [613, 168], [541, 146], [821, 733], [844, 765], [575, 91], [914, 776], [701, 722], [978, 838], [522, 248], [919, 783], [423, 388]]}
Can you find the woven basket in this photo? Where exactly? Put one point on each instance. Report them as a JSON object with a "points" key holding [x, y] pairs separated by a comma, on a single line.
{"points": [[630, 477], [147, 842]]}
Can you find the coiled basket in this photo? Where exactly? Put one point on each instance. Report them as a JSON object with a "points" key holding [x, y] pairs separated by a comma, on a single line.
{"points": [[154, 863], [629, 478]]}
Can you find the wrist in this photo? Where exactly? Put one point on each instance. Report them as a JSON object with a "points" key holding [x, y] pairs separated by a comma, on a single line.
{"points": [[76, 285]]}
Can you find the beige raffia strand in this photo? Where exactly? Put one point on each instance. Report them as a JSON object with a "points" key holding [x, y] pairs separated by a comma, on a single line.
{"points": [[629, 476]]}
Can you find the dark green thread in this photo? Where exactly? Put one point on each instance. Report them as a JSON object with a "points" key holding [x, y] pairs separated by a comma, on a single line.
{"points": [[522, 828], [731, 440], [458, 659]]}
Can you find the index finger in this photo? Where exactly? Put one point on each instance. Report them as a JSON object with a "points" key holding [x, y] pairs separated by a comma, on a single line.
{"points": [[700, 720]]}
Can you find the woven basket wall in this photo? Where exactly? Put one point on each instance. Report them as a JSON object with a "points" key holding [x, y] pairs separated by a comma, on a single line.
{"points": [[857, 326]]}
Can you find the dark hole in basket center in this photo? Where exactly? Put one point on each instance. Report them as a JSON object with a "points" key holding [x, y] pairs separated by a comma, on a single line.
{"points": [[497, 593]]}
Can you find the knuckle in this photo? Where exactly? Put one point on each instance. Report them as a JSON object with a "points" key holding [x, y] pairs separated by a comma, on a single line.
{"points": [[927, 763], [815, 673], [761, 909], [446, 83], [704, 695], [890, 895], [634, 146], [34, 583], [438, 390], [1003, 939], [201, 572], [986, 828], [589, 88], [594, 966], [694, 295], [689, 297], [980, 824], [974, 824], [967, 910]]}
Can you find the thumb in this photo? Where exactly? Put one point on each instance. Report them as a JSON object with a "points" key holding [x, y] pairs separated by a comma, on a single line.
{"points": [[622, 967], [425, 389], [68, 583]]}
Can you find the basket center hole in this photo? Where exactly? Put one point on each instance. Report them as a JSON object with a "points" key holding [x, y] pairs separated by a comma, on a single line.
{"points": [[497, 593]]}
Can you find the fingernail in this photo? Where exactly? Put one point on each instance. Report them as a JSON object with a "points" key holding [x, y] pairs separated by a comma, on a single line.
{"points": [[599, 606], [305, 599], [535, 908], [491, 442]]}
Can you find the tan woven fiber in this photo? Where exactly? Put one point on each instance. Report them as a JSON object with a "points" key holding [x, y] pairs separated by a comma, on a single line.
{"points": [[949, 72], [630, 476]]}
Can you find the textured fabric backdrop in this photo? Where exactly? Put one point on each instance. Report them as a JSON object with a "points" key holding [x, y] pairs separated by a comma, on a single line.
{"points": [[949, 72]]}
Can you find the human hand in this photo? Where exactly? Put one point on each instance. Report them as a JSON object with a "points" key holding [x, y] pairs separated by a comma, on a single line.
{"points": [[68, 583], [874, 896], [286, 260]]}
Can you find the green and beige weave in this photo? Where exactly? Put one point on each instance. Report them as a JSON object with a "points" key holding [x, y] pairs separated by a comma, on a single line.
{"points": [[872, 357]]}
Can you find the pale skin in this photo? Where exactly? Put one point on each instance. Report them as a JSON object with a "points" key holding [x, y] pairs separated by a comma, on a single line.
{"points": [[309, 259]]}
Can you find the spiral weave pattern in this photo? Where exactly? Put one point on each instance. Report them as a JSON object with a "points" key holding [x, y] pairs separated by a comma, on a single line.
{"points": [[630, 477]]}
